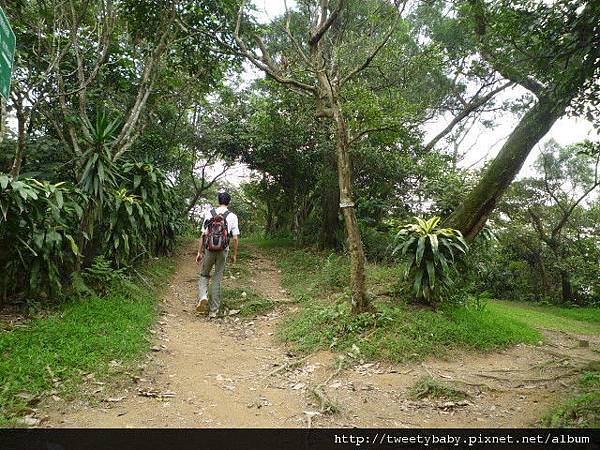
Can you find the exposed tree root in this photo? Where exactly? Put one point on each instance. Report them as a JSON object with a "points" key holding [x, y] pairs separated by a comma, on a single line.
{"points": [[287, 366]]}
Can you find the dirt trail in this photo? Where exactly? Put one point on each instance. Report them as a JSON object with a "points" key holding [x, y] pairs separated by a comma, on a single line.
{"points": [[233, 373]]}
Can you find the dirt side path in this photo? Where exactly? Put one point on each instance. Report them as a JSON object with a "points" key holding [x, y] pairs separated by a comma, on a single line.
{"points": [[233, 373]]}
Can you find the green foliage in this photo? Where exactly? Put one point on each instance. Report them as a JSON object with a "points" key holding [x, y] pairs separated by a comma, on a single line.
{"points": [[39, 234], [476, 302], [376, 243], [248, 302], [429, 387], [161, 212], [430, 254], [399, 333], [583, 409], [53, 351], [574, 320], [396, 331], [51, 230], [101, 275], [545, 244], [98, 168], [335, 271]]}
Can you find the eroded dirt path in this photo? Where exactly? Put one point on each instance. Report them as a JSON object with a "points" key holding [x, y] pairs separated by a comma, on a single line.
{"points": [[232, 372]]}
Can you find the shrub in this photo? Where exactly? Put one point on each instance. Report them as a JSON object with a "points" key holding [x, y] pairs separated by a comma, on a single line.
{"points": [[336, 271], [38, 234], [101, 275], [430, 254], [49, 231]]}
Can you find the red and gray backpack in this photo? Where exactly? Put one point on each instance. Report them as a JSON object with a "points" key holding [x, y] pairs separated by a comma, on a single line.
{"points": [[217, 238]]}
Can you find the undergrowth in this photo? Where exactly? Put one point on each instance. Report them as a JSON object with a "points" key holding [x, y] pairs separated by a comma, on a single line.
{"points": [[246, 301], [583, 409], [396, 331], [52, 352], [429, 387], [399, 332]]}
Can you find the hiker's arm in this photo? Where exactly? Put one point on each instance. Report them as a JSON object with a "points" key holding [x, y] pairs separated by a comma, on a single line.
{"points": [[200, 249], [200, 254], [234, 245]]}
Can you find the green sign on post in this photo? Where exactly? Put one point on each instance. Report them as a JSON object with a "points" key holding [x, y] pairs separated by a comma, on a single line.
{"points": [[7, 53]]}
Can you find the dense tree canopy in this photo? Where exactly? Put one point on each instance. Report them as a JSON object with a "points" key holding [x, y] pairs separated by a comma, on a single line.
{"points": [[122, 109]]}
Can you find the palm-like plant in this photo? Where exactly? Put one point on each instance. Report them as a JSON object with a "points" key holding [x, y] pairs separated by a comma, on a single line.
{"points": [[430, 252], [98, 176], [98, 168]]}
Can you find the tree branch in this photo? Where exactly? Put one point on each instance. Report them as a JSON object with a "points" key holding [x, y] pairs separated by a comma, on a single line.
{"points": [[375, 51], [265, 62], [510, 73], [325, 20], [471, 106]]}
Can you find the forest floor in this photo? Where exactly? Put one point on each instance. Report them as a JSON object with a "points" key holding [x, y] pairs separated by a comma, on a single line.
{"points": [[233, 372]]}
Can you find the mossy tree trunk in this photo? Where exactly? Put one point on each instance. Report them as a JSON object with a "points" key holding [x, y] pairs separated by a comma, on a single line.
{"points": [[473, 212], [330, 201], [360, 301]]}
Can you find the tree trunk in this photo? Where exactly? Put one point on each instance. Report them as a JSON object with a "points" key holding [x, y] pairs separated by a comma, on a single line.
{"points": [[471, 215], [360, 301], [2, 118], [330, 201], [21, 142], [543, 275], [567, 287], [269, 219]]}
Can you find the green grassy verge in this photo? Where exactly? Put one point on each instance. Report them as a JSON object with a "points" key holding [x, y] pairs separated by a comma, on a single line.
{"points": [[399, 332], [82, 336], [396, 331], [583, 409], [245, 300], [575, 320], [269, 242], [428, 387]]}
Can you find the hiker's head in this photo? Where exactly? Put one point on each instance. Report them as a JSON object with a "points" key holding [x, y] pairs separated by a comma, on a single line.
{"points": [[224, 198]]}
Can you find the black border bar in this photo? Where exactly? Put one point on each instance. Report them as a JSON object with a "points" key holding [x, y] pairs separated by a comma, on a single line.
{"points": [[292, 439]]}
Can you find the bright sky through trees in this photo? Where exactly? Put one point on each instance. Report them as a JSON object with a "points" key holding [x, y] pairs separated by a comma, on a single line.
{"points": [[481, 144]]}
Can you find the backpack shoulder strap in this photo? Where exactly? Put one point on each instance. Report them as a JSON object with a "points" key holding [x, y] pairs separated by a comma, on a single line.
{"points": [[213, 212], [225, 214]]}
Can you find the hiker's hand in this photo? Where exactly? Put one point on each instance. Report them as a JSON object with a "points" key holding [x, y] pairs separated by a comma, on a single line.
{"points": [[199, 258]]}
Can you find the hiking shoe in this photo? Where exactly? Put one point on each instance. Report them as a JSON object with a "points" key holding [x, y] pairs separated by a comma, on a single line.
{"points": [[212, 315], [202, 306]]}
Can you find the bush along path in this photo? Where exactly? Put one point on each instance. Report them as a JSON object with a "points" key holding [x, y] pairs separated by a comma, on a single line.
{"points": [[233, 372]]}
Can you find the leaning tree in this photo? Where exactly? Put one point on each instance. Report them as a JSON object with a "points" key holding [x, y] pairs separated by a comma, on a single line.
{"points": [[553, 51]]}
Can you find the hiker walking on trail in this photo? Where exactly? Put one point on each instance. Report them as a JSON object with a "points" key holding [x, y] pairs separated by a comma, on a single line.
{"points": [[219, 229]]}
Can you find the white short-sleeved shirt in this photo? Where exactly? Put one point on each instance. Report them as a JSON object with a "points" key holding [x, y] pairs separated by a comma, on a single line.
{"points": [[231, 219]]}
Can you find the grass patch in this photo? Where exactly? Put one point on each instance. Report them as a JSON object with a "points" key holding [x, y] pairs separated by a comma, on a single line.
{"points": [[267, 243], [428, 387], [310, 274], [591, 315], [301, 272], [583, 409], [248, 302], [241, 269], [399, 332], [81, 336], [396, 331], [576, 320]]}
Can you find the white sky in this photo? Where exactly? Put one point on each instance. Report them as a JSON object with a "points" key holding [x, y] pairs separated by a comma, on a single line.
{"points": [[480, 141]]}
